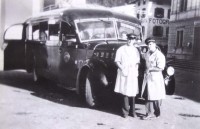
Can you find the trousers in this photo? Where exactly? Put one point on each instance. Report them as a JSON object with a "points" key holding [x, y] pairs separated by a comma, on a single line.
{"points": [[153, 107], [128, 105]]}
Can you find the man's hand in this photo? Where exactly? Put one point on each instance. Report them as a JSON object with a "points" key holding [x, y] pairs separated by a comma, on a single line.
{"points": [[154, 69]]}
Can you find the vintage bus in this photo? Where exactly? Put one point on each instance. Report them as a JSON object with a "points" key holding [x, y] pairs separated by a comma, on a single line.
{"points": [[75, 48]]}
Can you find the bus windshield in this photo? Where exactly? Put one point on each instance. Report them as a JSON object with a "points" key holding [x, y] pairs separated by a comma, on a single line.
{"points": [[96, 30], [104, 29], [124, 28]]}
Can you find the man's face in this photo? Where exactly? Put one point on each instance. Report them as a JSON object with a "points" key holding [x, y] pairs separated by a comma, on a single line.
{"points": [[152, 46], [131, 41]]}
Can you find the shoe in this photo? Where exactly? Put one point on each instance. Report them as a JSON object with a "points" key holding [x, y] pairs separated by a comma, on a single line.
{"points": [[133, 115], [148, 117], [124, 116], [157, 117]]}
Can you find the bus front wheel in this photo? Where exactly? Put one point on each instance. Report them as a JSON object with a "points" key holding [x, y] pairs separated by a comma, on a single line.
{"points": [[89, 93]]}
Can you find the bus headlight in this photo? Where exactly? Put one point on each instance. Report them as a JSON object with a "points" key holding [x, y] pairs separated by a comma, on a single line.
{"points": [[170, 71]]}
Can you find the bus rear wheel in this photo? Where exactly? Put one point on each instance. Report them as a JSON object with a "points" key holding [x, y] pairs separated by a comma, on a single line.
{"points": [[36, 77]]}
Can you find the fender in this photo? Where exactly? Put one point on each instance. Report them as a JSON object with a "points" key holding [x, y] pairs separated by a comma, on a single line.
{"points": [[97, 69]]}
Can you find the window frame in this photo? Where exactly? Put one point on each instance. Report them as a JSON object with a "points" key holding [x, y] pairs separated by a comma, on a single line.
{"points": [[168, 13], [167, 32], [156, 33], [179, 38], [156, 14], [69, 34], [41, 31], [183, 5], [139, 3], [95, 19], [144, 2], [58, 34]]}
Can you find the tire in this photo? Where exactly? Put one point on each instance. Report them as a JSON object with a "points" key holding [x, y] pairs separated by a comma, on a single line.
{"points": [[36, 77], [89, 93], [170, 89]]}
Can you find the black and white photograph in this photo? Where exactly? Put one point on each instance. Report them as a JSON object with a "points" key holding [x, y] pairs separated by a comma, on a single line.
{"points": [[99, 64]]}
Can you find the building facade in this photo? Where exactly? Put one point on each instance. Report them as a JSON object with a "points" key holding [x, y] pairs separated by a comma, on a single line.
{"points": [[155, 15], [110, 3], [184, 30]]}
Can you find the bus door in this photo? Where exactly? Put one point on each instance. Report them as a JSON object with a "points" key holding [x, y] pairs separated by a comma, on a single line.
{"points": [[52, 47], [72, 55], [39, 45], [49, 52], [14, 47], [47, 49]]}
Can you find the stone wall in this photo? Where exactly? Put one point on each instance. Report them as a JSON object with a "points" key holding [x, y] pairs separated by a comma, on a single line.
{"points": [[184, 52]]}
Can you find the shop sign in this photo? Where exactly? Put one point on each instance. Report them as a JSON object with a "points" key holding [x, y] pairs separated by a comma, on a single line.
{"points": [[156, 21]]}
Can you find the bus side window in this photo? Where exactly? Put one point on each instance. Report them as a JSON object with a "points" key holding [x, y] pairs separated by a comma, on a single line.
{"points": [[29, 32], [35, 33], [67, 32], [43, 31], [40, 31], [54, 32]]}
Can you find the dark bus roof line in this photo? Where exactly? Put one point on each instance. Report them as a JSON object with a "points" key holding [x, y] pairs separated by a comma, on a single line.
{"points": [[82, 13]]}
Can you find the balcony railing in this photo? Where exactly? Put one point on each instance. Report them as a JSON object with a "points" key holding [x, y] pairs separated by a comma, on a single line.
{"points": [[50, 7], [192, 13]]}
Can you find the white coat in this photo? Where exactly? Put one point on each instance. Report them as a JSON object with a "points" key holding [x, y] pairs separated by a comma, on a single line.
{"points": [[154, 80], [127, 78]]}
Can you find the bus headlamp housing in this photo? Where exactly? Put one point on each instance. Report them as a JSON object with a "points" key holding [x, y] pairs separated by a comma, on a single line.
{"points": [[170, 71]]}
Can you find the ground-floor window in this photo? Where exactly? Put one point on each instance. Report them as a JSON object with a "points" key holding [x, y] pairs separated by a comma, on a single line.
{"points": [[196, 42], [179, 39], [143, 30], [167, 32], [158, 31]]}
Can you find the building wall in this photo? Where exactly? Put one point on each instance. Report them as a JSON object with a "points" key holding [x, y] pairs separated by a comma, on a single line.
{"points": [[15, 11], [185, 20], [126, 9], [183, 52], [2, 19], [150, 21]]}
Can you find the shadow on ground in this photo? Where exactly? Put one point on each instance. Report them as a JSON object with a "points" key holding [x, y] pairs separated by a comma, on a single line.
{"points": [[188, 84], [189, 115], [49, 91]]}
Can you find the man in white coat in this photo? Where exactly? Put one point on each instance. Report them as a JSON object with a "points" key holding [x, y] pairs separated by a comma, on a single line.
{"points": [[127, 60], [153, 79]]}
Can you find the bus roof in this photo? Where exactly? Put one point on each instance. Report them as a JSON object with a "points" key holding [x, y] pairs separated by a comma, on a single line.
{"points": [[70, 14]]}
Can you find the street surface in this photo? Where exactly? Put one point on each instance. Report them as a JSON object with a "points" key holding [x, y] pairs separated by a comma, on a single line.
{"points": [[26, 105]]}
